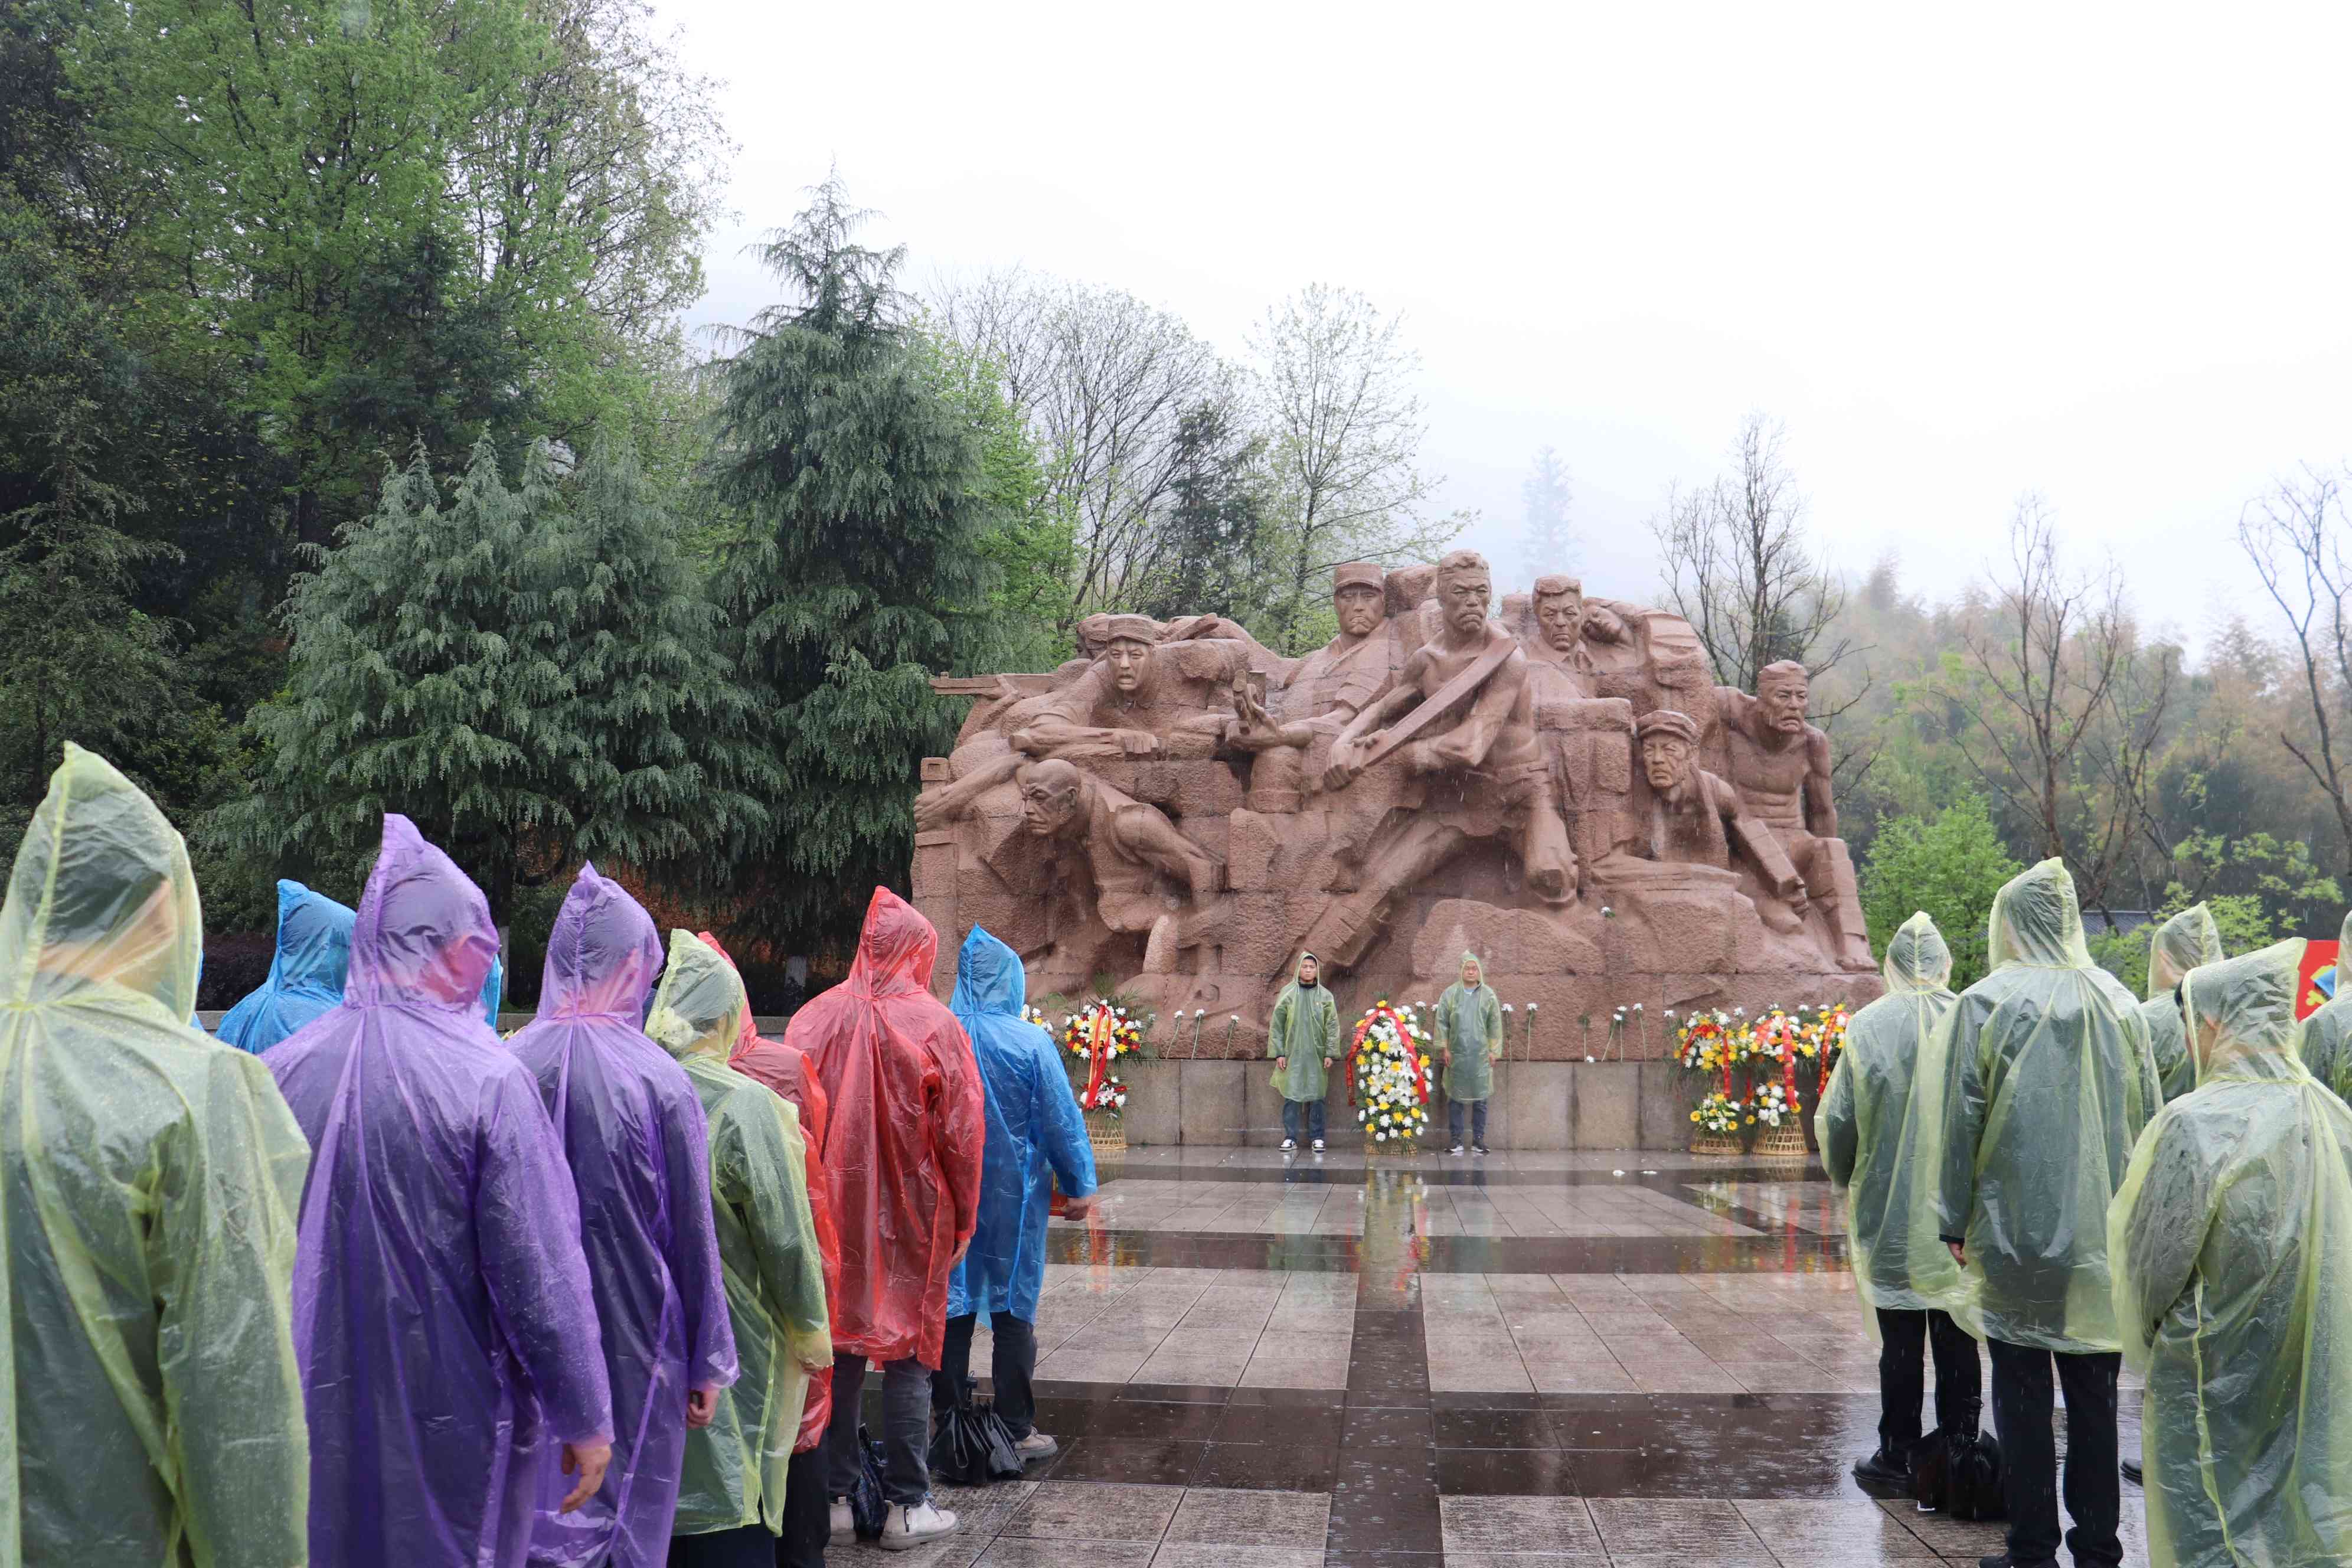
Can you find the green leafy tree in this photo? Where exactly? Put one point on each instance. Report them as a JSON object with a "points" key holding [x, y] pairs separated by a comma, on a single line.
{"points": [[1216, 518], [530, 674], [1951, 864], [858, 568]]}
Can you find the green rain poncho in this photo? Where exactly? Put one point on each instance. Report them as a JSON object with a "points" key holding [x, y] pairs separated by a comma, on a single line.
{"points": [[2326, 1045], [767, 1246], [150, 1408], [1865, 1123], [2032, 1092], [2181, 944], [2232, 1248], [1306, 1029], [1470, 1024]]}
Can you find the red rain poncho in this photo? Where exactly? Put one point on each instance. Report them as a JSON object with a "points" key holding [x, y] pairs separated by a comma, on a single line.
{"points": [[785, 1070], [633, 1128], [905, 1130], [442, 1313]]}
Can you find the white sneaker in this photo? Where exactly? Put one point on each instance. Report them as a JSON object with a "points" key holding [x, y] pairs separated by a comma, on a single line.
{"points": [[1455, 1150], [908, 1528], [1318, 1146], [1036, 1447], [845, 1524], [1288, 1144]]}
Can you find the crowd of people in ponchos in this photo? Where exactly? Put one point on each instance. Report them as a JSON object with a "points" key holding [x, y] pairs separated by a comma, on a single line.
{"points": [[2073, 1177], [358, 1283]]}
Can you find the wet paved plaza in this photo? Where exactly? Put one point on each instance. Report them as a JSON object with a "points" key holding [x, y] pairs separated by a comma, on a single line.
{"points": [[1530, 1360]]}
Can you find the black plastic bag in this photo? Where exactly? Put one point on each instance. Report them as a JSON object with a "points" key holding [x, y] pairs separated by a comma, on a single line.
{"points": [[869, 1508], [1958, 1475], [972, 1446]]}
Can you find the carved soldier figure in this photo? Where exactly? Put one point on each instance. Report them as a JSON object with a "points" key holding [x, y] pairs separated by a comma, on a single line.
{"points": [[1695, 818], [1463, 718], [1327, 689], [1124, 848], [1781, 766], [1566, 624], [1141, 699]]}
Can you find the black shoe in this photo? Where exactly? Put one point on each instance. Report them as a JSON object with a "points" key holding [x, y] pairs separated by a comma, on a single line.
{"points": [[1883, 1470], [2132, 1473]]}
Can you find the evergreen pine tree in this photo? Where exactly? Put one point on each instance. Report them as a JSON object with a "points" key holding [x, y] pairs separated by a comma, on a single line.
{"points": [[1550, 547], [857, 567], [533, 680]]}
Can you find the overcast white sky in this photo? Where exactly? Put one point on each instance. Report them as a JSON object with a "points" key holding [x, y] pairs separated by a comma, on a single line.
{"points": [[1962, 253]]}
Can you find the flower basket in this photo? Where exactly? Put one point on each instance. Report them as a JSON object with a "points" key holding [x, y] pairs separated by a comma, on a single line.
{"points": [[1095, 1037], [1106, 1134], [1716, 1122], [1389, 1080], [1782, 1143]]}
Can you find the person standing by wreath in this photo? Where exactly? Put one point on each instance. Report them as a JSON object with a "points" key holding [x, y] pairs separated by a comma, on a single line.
{"points": [[1303, 1041], [1469, 1042]]}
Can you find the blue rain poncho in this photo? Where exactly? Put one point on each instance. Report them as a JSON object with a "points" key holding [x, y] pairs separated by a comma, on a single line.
{"points": [[1036, 1136], [632, 1127], [2033, 1090], [2180, 944], [2326, 1045], [1865, 1123], [306, 973], [442, 1311], [2232, 1248], [737, 1468], [150, 1412]]}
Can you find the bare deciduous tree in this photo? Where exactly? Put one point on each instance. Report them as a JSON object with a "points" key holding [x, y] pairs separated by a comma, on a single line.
{"points": [[2064, 711], [2292, 536], [1738, 565], [1346, 429], [1106, 383]]}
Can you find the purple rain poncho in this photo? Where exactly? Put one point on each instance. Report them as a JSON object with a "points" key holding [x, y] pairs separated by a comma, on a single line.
{"points": [[306, 973], [632, 1126], [442, 1312]]}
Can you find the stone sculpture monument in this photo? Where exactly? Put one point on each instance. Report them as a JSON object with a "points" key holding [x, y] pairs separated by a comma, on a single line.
{"points": [[1563, 789]]}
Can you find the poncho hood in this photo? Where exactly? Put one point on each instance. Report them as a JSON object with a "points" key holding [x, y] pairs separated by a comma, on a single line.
{"points": [[603, 955], [1470, 962], [2038, 921], [314, 939], [1916, 958], [101, 894], [989, 978], [2187, 940], [2241, 1014], [700, 1007], [896, 951], [423, 936]]}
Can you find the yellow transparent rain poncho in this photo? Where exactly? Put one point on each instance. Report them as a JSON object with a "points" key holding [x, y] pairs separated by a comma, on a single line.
{"points": [[1866, 1119], [2326, 1044], [2181, 944], [150, 1405], [2030, 1095], [767, 1246], [2232, 1248]]}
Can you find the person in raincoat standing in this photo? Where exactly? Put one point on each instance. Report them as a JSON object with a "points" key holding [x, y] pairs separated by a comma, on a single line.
{"points": [[1863, 1123], [2232, 1248], [1469, 1042], [442, 1310], [150, 1403], [2044, 1080], [2325, 1045], [904, 1145], [306, 973], [1036, 1137], [785, 1070], [2180, 944], [1303, 1038], [731, 1506], [631, 1129]]}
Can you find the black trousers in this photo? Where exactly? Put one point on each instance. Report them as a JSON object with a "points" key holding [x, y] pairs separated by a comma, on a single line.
{"points": [[808, 1513], [906, 1429], [1902, 1338], [746, 1546], [1012, 1363], [2021, 1408]]}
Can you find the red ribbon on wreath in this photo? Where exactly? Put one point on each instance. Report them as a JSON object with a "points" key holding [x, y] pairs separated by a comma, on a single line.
{"points": [[1100, 1033]]}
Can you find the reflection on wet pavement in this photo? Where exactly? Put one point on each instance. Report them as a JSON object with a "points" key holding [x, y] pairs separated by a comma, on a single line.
{"points": [[1538, 1360]]}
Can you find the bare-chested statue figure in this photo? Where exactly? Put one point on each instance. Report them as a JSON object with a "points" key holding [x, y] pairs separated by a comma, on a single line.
{"points": [[1781, 766], [1460, 717]]}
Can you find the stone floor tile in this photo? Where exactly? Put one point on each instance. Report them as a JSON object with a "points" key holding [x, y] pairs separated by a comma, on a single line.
{"points": [[1194, 1554], [1283, 1519], [1092, 1510], [1832, 1530], [1516, 1524], [1692, 1527], [1012, 1551], [1948, 1537]]}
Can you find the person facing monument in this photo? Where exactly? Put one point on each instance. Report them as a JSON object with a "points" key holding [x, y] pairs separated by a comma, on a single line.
{"points": [[1780, 766], [306, 973], [2180, 944]]}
